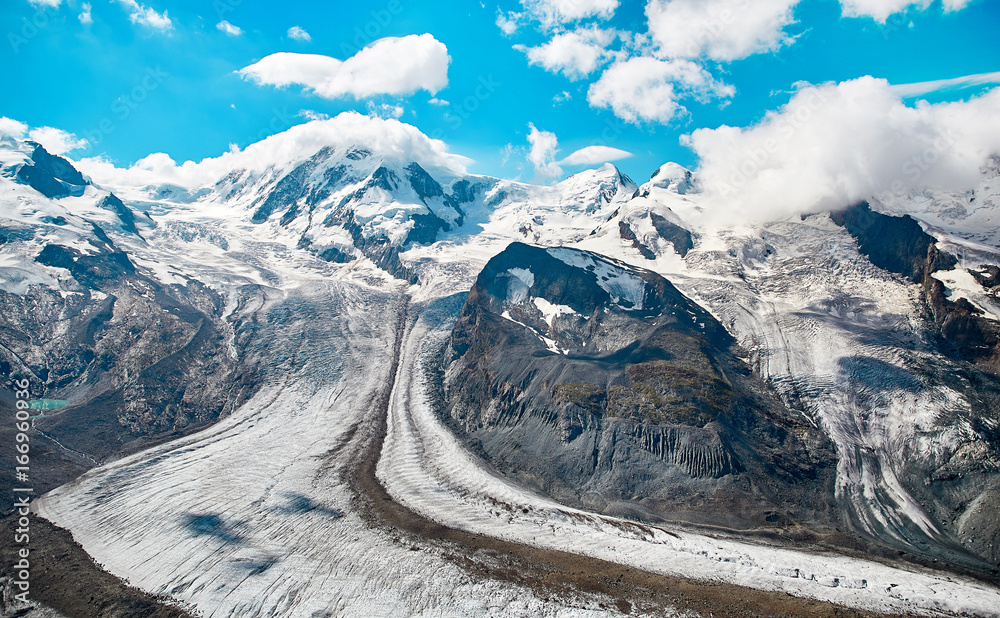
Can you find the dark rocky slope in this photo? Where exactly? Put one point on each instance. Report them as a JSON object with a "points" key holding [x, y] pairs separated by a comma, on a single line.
{"points": [[626, 398]]}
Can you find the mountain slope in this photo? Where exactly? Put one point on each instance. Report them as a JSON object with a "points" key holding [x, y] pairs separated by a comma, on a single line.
{"points": [[573, 373]]}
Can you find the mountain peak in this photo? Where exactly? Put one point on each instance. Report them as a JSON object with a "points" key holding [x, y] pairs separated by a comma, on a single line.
{"points": [[673, 177], [49, 174]]}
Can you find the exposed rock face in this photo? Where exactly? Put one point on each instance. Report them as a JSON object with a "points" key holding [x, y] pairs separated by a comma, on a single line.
{"points": [[603, 386], [680, 237], [899, 245], [134, 358], [125, 215], [50, 175]]}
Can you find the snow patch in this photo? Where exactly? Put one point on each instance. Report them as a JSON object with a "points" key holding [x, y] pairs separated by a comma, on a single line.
{"points": [[520, 282], [961, 284], [551, 311]]}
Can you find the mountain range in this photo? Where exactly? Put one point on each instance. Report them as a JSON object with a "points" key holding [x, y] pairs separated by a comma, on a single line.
{"points": [[595, 354]]}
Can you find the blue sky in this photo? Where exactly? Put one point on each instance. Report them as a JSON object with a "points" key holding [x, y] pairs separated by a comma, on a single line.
{"points": [[133, 78]]}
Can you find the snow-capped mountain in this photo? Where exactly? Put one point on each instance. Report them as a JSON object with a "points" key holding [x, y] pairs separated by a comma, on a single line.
{"points": [[828, 379]]}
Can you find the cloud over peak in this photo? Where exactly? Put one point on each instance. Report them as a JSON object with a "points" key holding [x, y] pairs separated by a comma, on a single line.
{"points": [[593, 155], [837, 144], [386, 136], [544, 145]]}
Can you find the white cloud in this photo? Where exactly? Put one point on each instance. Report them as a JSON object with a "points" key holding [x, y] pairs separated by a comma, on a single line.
{"points": [[834, 145], [146, 16], [388, 66], [955, 5], [392, 137], [385, 110], [723, 30], [553, 13], [880, 10], [228, 28], [12, 128], [942, 85], [297, 33], [576, 54], [509, 22], [506, 153], [85, 17], [647, 89], [542, 154], [562, 97], [47, 3], [439, 102], [309, 114], [592, 155], [56, 140]]}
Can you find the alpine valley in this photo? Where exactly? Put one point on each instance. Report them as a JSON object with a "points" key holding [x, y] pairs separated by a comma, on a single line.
{"points": [[326, 376]]}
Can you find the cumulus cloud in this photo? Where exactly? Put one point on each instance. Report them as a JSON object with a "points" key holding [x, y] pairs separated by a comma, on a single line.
{"points": [[12, 128], [297, 33], [880, 10], [593, 155], [46, 3], [544, 145], [723, 30], [146, 16], [56, 140], [388, 66], [648, 89], [576, 54], [228, 28], [553, 13], [836, 144], [84, 16], [542, 154], [391, 137]]}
